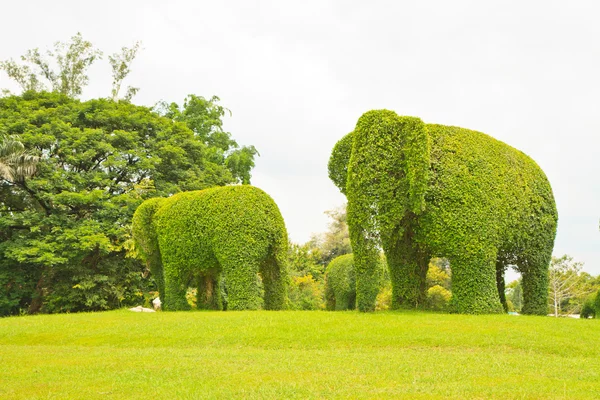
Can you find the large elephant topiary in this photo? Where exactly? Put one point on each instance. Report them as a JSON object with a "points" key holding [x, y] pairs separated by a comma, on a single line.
{"points": [[419, 191], [192, 238]]}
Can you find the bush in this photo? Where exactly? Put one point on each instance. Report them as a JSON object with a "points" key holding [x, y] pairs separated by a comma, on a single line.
{"points": [[588, 310], [438, 298], [384, 298], [305, 293]]}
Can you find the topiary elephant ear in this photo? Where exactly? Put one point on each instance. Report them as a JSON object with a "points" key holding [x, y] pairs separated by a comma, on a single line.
{"points": [[387, 157], [338, 162]]}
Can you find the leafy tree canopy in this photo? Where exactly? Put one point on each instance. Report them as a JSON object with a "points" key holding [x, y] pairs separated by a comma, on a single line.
{"points": [[64, 231]]}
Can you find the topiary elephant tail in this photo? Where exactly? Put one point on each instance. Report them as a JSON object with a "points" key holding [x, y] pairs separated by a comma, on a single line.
{"points": [[146, 241]]}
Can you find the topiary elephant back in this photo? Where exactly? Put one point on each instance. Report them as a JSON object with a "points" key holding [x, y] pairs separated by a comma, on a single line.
{"points": [[193, 238], [420, 191]]}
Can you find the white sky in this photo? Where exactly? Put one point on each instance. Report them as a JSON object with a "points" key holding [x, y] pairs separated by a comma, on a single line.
{"points": [[297, 75]]}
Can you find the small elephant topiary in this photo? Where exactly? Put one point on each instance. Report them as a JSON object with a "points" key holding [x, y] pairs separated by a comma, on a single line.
{"points": [[419, 191], [192, 238]]}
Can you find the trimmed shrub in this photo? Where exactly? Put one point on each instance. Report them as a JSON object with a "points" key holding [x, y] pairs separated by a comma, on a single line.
{"points": [[418, 191], [191, 238], [340, 283]]}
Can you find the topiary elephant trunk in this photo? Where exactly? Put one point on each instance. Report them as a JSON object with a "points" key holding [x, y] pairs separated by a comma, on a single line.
{"points": [[193, 238], [419, 191]]}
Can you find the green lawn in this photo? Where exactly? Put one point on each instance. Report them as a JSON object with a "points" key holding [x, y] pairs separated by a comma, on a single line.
{"points": [[190, 355]]}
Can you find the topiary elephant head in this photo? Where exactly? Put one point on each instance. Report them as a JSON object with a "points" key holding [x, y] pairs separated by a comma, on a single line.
{"points": [[419, 191]]}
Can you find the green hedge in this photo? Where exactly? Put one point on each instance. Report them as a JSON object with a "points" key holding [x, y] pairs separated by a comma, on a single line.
{"points": [[194, 237], [420, 191]]}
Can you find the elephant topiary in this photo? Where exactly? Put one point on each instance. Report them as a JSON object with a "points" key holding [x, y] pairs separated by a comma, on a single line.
{"points": [[419, 191], [196, 236]]}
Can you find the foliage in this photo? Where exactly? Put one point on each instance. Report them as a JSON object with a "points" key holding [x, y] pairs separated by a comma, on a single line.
{"points": [[439, 282], [438, 297], [588, 310], [64, 69], [591, 307], [336, 240], [121, 64], [205, 118], [16, 164], [305, 260], [305, 293], [313, 256], [565, 283], [514, 295], [384, 297], [234, 230], [439, 274], [419, 191], [67, 227]]}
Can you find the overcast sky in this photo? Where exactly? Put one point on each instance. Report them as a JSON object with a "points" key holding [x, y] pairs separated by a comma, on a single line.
{"points": [[297, 76]]}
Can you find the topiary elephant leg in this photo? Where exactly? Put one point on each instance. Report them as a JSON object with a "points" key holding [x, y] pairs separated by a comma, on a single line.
{"points": [[156, 269], [208, 296], [534, 271], [474, 289], [175, 289], [329, 297], [274, 275], [366, 260], [407, 275], [241, 275], [500, 284]]}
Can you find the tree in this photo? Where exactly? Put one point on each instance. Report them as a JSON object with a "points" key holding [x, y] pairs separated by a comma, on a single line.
{"points": [[64, 232], [565, 282], [64, 69], [439, 282], [514, 294], [205, 118], [305, 260], [15, 163], [120, 64]]}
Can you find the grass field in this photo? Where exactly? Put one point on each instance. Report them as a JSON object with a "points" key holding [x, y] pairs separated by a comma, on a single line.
{"points": [[301, 355]]}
